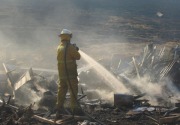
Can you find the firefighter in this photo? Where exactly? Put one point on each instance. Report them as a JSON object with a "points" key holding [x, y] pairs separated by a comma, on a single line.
{"points": [[67, 54]]}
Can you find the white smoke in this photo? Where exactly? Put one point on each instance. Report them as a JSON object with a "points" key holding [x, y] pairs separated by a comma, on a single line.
{"points": [[157, 93], [106, 95], [26, 96]]}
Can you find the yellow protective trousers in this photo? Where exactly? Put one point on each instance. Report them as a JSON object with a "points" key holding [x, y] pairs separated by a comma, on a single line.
{"points": [[62, 90]]}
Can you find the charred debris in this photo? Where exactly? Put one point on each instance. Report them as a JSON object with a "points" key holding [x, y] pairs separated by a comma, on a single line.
{"points": [[28, 96]]}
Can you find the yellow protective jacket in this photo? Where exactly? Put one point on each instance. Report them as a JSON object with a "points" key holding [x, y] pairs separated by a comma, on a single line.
{"points": [[71, 56]]}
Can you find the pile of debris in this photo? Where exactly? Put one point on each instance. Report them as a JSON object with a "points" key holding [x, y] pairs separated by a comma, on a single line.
{"points": [[156, 64], [96, 113], [155, 67], [21, 87]]}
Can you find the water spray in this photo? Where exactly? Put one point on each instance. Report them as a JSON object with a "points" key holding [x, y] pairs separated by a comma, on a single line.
{"points": [[110, 79]]}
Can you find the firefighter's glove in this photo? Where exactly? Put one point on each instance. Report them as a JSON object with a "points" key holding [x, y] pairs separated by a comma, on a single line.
{"points": [[77, 48]]}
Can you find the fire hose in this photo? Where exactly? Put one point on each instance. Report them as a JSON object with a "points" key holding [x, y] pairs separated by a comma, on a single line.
{"points": [[71, 89]]}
